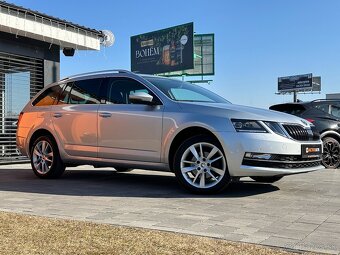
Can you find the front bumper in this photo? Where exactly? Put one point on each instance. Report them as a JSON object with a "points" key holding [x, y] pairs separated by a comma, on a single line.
{"points": [[236, 145]]}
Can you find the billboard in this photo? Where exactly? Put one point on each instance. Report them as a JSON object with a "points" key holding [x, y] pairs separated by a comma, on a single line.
{"points": [[317, 83], [295, 83], [204, 57], [166, 50]]}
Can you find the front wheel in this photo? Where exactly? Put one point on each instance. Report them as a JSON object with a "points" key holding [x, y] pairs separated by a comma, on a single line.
{"points": [[266, 179], [331, 152], [200, 165], [45, 158]]}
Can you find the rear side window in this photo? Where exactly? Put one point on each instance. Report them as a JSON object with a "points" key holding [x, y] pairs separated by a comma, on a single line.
{"points": [[323, 107], [335, 110], [48, 96], [294, 109], [81, 92]]}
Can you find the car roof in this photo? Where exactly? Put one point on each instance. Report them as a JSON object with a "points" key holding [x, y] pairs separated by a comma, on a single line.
{"points": [[102, 74], [308, 102]]}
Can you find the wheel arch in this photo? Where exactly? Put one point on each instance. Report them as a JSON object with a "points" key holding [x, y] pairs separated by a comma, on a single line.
{"points": [[36, 134], [185, 134], [330, 133]]}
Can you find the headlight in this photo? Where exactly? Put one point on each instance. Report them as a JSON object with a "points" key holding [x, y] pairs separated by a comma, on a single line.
{"points": [[251, 126], [276, 128]]}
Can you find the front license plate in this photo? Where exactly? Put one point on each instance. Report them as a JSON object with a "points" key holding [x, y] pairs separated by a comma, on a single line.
{"points": [[311, 150]]}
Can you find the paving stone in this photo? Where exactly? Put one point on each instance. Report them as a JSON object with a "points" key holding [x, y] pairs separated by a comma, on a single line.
{"points": [[313, 218], [280, 242], [235, 237], [246, 230], [303, 226], [334, 219], [203, 226], [254, 239], [271, 229], [177, 222], [320, 241], [330, 227], [220, 229], [299, 212], [292, 234]]}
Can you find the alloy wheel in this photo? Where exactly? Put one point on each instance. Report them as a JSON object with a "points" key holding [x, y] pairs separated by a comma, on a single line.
{"points": [[42, 157], [331, 153], [203, 165]]}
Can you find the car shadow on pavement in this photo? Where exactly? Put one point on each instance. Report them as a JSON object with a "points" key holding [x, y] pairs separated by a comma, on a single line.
{"points": [[112, 184]]}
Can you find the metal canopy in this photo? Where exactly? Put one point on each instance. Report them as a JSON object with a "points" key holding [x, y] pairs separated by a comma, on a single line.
{"points": [[32, 24]]}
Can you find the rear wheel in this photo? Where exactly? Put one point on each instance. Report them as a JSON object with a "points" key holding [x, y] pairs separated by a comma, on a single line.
{"points": [[331, 152], [200, 165], [266, 179], [45, 158]]}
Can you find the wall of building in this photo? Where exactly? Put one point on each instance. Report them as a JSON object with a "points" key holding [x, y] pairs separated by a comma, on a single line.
{"points": [[26, 66], [333, 96], [10, 43]]}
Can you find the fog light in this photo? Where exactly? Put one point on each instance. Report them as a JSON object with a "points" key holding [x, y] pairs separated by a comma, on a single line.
{"points": [[265, 156]]}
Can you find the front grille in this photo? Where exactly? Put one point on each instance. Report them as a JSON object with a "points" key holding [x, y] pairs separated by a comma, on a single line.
{"points": [[297, 132]]}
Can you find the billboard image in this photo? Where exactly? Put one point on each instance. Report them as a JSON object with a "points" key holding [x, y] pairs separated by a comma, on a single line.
{"points": [[166, 50], [295, 83], [204, 57]]}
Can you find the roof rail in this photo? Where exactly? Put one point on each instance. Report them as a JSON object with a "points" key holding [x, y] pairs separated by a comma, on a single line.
{"points": [[325, 99], [97, 72]]}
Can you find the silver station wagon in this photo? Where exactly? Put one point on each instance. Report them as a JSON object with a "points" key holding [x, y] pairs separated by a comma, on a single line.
{"points": [[126, 121]]}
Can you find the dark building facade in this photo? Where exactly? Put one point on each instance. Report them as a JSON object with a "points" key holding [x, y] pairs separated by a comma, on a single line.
{"points": [[29, 60]]}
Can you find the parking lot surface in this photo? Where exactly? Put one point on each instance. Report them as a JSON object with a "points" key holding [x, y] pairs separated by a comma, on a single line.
{"points": [[299, 212]]}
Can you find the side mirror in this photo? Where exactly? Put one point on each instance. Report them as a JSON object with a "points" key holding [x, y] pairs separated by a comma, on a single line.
{"points": [[141, 98]]}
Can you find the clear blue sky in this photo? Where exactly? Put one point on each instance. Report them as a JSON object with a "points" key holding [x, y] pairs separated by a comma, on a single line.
{"points": [[256, 41]]}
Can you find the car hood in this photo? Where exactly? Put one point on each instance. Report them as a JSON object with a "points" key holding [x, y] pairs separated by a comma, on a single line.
{"points": [[242, 112]]}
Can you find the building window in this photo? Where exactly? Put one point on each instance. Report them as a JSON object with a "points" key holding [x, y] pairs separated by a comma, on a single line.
{"points": [[20, 79]]}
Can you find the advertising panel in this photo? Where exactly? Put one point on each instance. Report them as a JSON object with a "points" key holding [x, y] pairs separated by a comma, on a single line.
{"points": [[295, 83], [166, 50], [204, 57]]}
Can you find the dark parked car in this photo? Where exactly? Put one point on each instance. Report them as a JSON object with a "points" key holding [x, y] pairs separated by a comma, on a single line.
{"points": [[325, 115]]}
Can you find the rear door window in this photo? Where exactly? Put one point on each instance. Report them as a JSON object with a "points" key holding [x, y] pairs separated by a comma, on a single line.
{"points": [[117, 91], [63, 98], [85, 92], [81, 92]]}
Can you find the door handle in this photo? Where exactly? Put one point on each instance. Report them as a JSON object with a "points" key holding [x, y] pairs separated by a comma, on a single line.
{"points": [[105, 114], [57, 115]]}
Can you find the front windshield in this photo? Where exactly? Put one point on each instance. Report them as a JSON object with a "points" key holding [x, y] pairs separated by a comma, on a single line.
{"points": [[184, 91]]}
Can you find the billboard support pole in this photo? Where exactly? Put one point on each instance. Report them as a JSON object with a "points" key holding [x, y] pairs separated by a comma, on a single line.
{"points": [[295, 96]]}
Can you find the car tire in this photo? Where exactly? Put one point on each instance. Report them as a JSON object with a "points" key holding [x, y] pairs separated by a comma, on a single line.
{"points": [[331, 152], [45, 158], [266, 179], [200, 165], [123, 169]]}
